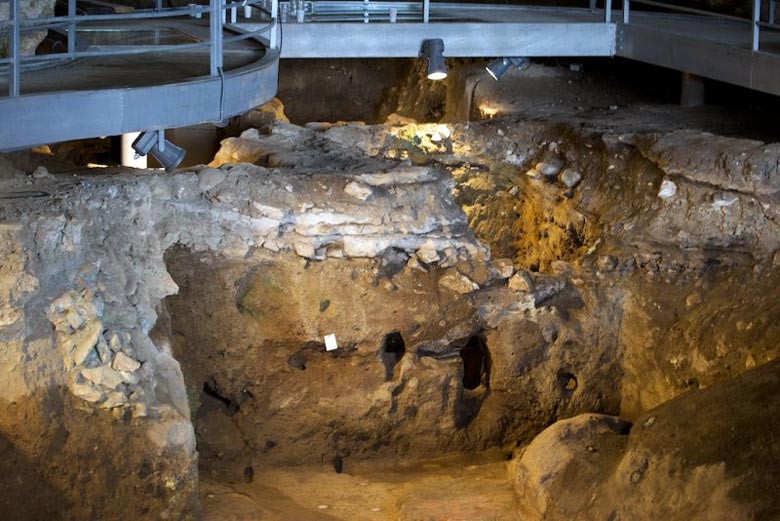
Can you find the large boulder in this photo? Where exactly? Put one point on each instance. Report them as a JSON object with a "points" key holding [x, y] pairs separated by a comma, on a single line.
{"points": [[708, 454]]}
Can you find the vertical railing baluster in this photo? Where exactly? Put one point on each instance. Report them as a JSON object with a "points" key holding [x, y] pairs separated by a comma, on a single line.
{"points": [[626, 10], [274, 21], [608, 11], [426, 11], [71, 27], [14, 41], [756, 28], [215, 36]]}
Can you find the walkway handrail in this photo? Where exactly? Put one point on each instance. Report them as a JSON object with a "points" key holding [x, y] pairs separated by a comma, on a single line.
{"points": [[754, 20]]}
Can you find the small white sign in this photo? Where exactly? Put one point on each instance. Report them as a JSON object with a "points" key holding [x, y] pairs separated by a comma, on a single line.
{"points": [[330, 343]]}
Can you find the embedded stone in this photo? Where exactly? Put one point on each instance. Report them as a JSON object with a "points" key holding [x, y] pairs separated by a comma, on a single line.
{"points": [[84, 341], [521, 281], [668, 189], [456, 282], [505, 268], [123, 362], [104, 376], [113, 400], [86, 391], [570, 177], [358, 190], [428, 255], [548, 169]]}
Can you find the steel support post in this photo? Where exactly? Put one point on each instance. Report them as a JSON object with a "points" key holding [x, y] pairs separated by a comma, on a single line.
{"points": [[691, 90], [129, 157], [14, 42]]}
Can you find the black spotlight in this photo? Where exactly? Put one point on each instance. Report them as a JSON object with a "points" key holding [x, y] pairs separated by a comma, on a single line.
{"points": [[433, 51], [165, 152], [498, 67]]}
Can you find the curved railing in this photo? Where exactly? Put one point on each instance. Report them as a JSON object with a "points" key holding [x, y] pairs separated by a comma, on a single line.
{"points": [[16, 26]]}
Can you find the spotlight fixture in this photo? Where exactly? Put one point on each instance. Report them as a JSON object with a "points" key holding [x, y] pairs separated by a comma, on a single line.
{"points": [[433, 51], [165, 152], [498, 67]]}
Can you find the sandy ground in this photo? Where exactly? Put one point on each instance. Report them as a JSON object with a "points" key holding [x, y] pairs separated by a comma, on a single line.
{"points": [[430, 491]]}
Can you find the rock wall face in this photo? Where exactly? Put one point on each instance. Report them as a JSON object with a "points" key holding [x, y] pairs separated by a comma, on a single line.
{"points": [[482, 281], [437, 354], [85, 409]]}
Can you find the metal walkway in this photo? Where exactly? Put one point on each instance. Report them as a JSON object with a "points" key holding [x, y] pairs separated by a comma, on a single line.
{"points": [[163, 68], [120, 73], [742, 51]]}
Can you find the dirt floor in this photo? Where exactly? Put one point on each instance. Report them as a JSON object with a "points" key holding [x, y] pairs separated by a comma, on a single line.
{"points": [[438, 489]]}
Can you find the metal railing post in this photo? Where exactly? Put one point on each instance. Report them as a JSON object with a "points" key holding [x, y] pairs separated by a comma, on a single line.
{"points": [[608, 11], [71, 27], [626, 10], [756, 19], [274, 22], [215, 37], [426, 11], [772, 10], [14, 42]]}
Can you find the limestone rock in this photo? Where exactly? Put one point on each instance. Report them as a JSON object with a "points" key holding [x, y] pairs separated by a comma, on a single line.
{"points": [[505, 268], [122, 362], [548, 169], [86, 391], [454, 281], [41, 173], [521, 281], [114, 399], [428, 255], [667, 190], [84, 341], [358, 190], [103, 376], [570, 177]]}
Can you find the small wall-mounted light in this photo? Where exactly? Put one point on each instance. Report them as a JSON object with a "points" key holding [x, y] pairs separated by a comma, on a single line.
{"points": [[498, 67], [165, 152], [433, 51]]}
